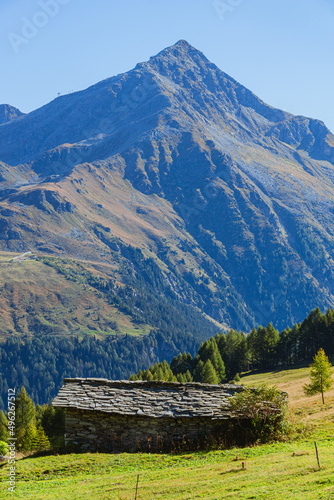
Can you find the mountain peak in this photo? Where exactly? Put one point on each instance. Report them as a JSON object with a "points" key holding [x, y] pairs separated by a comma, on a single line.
{"points": [[9, 113], [181, 55], [183, 43], [183, 46], [181, 49], [177, 158]]}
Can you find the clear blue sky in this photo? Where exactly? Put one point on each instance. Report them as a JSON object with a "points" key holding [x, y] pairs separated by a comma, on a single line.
{"points": [[282, 50]]}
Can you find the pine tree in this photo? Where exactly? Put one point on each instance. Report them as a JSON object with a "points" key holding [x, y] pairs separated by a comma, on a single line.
{"points": [[147, 375], [253, 347], [29, 436], [4, 435], [209, 374], [209, 351], [262, 344], [181, 363], [217, 362], [198, 369], [40, 440], [158, 375], [320, 375], [24, 416], [235, 355]]}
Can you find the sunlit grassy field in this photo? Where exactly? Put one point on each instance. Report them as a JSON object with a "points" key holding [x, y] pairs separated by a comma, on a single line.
{"points": [[309, 409], [282, 470]]}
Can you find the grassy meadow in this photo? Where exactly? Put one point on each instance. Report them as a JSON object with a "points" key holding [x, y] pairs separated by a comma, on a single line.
{"points": [[303, 408], [282, 470]]}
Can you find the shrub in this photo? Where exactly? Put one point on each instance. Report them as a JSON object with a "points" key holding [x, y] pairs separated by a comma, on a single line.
{"points": [[261, 413]]}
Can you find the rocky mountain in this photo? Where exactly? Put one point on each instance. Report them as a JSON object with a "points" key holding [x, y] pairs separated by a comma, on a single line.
{"points": [[231, 198], [9, 113]]}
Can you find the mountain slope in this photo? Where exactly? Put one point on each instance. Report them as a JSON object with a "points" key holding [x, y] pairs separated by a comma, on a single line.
{"points": [[35, 296], [9, 113], [232, 198]]}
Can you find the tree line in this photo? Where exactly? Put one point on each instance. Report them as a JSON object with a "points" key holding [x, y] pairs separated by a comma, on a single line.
{"points": [[224, 356], [40, 363]]}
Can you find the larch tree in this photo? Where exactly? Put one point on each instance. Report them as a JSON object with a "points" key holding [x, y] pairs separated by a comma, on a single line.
{"points": [[320, 375], [24, 418], [209, 374]]}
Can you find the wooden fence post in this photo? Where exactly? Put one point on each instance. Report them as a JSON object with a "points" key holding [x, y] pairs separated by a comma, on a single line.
{"points": [[316, 450], [137, 487]]}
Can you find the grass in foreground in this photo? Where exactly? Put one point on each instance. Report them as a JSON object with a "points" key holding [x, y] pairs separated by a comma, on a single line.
{"points": [[278, 471]]}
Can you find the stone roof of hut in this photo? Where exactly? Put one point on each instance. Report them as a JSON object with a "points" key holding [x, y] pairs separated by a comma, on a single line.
{"points": [[142, 398]]}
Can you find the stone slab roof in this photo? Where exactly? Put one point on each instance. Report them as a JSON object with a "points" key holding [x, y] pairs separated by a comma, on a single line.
{"points": [[152, 399]]}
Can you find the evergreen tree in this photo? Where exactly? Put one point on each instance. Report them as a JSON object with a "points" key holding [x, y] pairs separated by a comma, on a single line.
{"points": [[320, 375], [198, 369], [253, 348], [235, 353], [4, 435], [271, 339], [263, 344], [284, 347], [28, 438], [181, 363], [328, 343], [53, 422], [209, 374], [209, 351], [148, 375], [40, 440], [24, 418]]}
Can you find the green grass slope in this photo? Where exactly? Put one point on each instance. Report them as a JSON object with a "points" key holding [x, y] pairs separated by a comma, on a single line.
{"points": [[279, 471], [305, 408], [283, 470]]}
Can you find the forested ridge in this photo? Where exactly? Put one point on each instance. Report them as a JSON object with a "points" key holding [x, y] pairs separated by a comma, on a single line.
{"points": [[41, 362], [223, 357]]}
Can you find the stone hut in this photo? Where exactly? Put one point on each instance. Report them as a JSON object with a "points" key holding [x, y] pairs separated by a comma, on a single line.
{"points": [[119, 415]]}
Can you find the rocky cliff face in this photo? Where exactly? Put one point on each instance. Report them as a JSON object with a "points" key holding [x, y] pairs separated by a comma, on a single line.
{"points": [[233, 198]]}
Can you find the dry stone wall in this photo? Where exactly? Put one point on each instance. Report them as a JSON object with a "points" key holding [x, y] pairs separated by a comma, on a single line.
{"points": [[94, 430]]}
